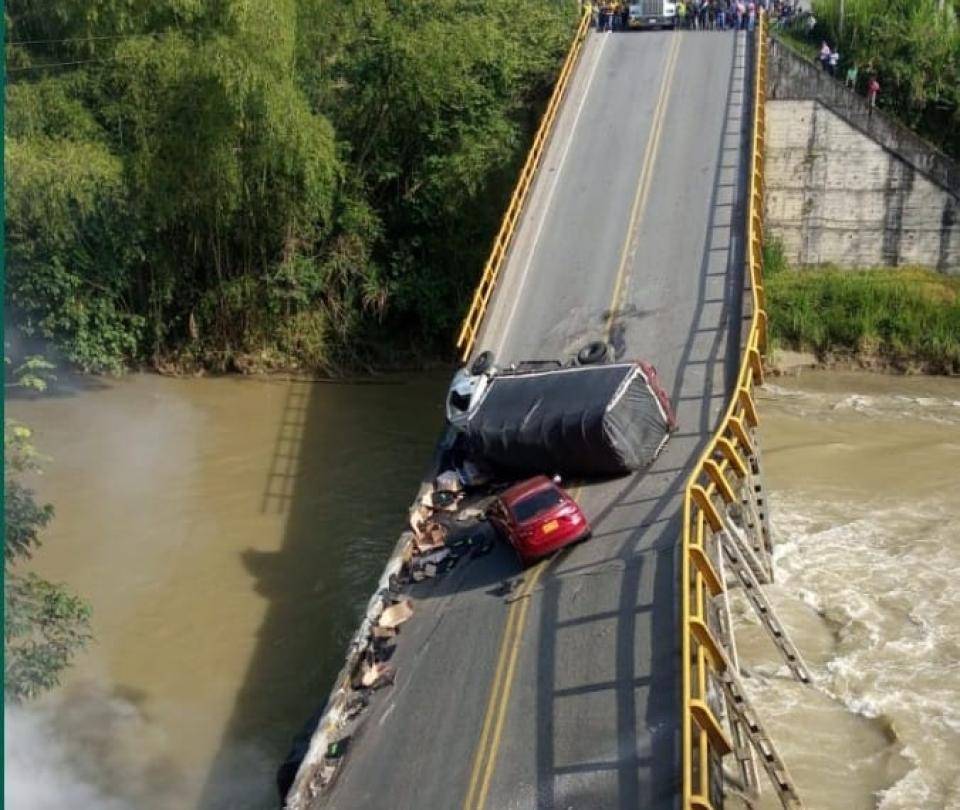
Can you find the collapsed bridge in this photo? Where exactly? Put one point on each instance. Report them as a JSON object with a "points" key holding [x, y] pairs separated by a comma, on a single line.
{"points": [[606, 676]]}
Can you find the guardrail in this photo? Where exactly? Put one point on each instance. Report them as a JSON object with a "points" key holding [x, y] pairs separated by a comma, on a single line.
{"points": [[491, 270], [727, 457]]}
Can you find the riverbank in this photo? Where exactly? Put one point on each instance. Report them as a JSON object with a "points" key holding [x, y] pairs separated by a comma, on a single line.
{"points": [[380, 357], [899, 319]]}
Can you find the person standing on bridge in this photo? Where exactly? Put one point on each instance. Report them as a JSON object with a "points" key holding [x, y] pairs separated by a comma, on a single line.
{"points": [[751, 15], [611, 16], [702, 15]]}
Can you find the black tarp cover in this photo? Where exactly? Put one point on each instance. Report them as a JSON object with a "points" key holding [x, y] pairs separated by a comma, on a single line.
{"points": [[582, 421]]}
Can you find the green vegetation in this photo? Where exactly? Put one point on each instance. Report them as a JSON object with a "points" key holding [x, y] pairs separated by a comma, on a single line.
{"points": [[231, 184], [905, 317], [44, 624], [914, 49]]}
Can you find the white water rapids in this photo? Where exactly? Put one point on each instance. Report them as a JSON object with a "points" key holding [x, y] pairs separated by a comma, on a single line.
{"points": [[864, 475]]}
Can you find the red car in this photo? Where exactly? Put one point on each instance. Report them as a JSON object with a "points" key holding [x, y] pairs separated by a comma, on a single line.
{"points": [[538, 517]]}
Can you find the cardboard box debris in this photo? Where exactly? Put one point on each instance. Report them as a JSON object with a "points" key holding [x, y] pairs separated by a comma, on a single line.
{"points": [[395, 615]]}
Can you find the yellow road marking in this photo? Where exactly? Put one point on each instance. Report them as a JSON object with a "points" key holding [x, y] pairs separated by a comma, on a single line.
{"points": [[485, 757], [479, 756], [525, 600], [643, 182]]}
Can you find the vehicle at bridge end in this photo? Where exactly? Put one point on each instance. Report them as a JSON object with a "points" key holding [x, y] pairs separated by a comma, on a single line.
{"points": [[652, 14], [537, 517]]}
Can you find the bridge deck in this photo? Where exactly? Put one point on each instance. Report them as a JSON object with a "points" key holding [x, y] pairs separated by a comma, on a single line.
{"points": [[570, 692]]}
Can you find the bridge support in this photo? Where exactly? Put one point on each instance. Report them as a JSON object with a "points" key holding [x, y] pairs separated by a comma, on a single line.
{"points": [[741, 709], [742, 749], [752, 513], [744, 564], [740, 542], [749, 739]]}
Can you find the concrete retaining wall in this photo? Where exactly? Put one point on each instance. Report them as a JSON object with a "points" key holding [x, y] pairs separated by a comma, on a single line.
{"points": [[850, 186]]}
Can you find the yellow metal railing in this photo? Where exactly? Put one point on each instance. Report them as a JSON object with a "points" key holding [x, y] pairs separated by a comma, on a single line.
{"points": [[491, 270], [726, 458]]}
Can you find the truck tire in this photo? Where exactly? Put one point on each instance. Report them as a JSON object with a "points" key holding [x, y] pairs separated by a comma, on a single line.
{"points": [[482, 364], [594, 352]]}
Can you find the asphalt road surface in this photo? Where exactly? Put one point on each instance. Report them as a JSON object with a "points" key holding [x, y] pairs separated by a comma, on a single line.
{"points": [[558, 687]]}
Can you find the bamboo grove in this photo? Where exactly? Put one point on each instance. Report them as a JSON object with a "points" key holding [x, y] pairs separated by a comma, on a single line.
{"points": [[231, 184]]}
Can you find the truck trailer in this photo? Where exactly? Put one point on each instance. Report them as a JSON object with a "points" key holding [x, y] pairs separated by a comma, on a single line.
{"points": [[583, 421]]}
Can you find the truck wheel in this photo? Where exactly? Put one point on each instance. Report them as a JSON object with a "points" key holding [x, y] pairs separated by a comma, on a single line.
{"points": [[593, 352], [482, 364]]}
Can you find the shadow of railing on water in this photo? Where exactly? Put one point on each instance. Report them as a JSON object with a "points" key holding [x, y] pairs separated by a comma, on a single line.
{"points": [[347, 461]]}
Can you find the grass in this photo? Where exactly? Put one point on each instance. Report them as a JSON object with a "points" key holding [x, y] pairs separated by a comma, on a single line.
{"points": [[799, 41], [905, 317]]}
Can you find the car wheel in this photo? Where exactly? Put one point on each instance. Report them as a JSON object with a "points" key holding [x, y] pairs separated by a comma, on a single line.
{"points": [[593, 352], [482, 364]]}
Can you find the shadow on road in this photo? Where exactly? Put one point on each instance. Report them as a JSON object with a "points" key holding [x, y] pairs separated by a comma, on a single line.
{"points": [[639, 522]]}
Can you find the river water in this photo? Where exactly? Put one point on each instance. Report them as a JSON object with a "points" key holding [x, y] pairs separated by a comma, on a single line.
{"points": [[864, 475], [229, 531]]}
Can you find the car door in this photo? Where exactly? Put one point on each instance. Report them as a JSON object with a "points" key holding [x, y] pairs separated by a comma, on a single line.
{"points": [[500, 517], [497, 515]]}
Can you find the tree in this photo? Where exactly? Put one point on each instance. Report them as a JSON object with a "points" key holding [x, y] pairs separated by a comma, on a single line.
{"points": [[209, 183], [913, 46], [45, 625]]}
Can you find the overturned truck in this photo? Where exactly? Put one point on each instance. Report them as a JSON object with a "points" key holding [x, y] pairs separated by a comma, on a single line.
{"points": [[581, 421]]}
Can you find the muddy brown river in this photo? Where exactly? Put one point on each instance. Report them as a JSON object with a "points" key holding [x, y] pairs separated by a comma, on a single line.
{"points": [[228, 532]]}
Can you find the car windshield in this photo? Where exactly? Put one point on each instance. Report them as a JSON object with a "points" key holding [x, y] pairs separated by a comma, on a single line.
{"points": [[535, 503]]}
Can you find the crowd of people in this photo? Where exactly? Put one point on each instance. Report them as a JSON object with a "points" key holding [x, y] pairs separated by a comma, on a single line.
{"points": [[738, 15], [783, 13], [717, 15], [693, 15], [830, 62]]}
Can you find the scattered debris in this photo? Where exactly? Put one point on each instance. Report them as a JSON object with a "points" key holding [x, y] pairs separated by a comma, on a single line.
{"points": [[440, 499], [395, 615], [432, 537], [381, 632], [332, 760], [446, 525], [357, 702], [430, 565], [449, 481], [376, 675]]}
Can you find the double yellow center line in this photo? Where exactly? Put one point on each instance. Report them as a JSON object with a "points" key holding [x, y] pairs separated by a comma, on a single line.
{"points": [[643, 184], [485, 758], [486, 755]]}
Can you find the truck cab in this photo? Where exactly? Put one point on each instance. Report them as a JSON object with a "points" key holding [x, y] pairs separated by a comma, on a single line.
{"points": [[652, 14]]}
